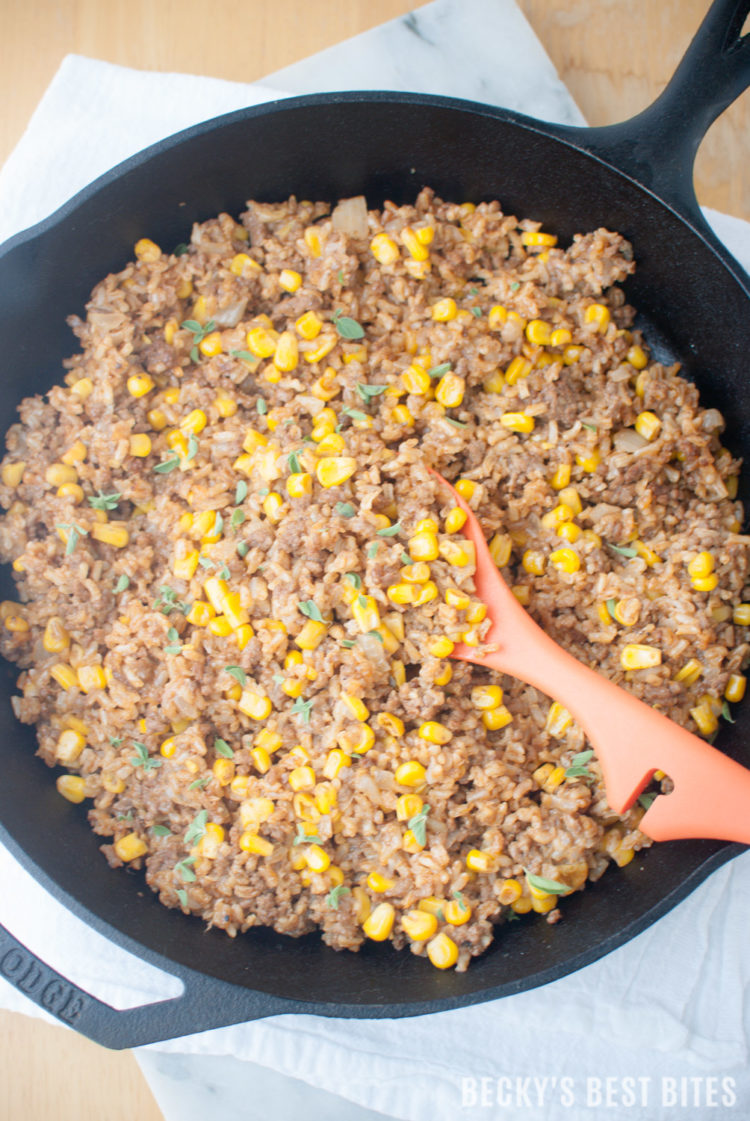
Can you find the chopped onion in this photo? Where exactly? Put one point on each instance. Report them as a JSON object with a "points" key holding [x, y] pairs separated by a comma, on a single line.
{"points": [[231, 314], [628, 440], [350, 217]]}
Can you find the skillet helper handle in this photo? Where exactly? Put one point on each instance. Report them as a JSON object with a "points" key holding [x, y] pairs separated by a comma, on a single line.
{"points": [[205, 1002], [657, 147], [711, 797]]}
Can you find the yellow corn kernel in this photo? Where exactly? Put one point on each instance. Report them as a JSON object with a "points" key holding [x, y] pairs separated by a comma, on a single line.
{"points": [[365, 611], [534, 562], [417, 250], [416, 380], [185, 561], [398, 673], [255, 705], [359, 742], [522, 906], [444, 310], [243, 264], [637, 357], [225, 406], [273, 505], [293, 686], [403, 593], [112, 785], [286, 354], [410, 842], [441, 647], [76, 453], [82, 388], [71, 787], [425, 593], [140, 384], [299, 485], [494, 383], [223, 771], [532, 238], [200, 613], [269, 740], [147, 251], [419, 925], [243, 633], [442, 951], [210, 345], [234, 612], [157, 419], [55, 637], [112, 533], [647, 425], [638, 656], [407, 806], [590, 461], [69, 747], [379, 924], [12, 473], [561, 477], [211, 841], [496, 718], [261, 341], [379, 883], [16, 624], [261, 759], [289, 280], [555, 517], [455, 520], [336, 760], [216, 591], [485, 697], [411, 774], [735, 687], [538, 332], [418, 573], [384, 249], [543, 906], [517, 422], [518, 368], [317, 858], [434, 732], [140, 445], [450, 390], [598, 315], [425, 234], [558, 720], [479, 861], [701, 565], [335, 470], [313, 241], [326, 797], [252, 843], [130, 847], [58, 474], [90, 678], [311, 635], [456, 913], [356, 706], [689, 673], [741, 614], [569, 531], [560, 337], [510, 891], [705, 718], [402, 415], [327, 382], [424, 546], [706, 583], [566, 560], [302, 778]]}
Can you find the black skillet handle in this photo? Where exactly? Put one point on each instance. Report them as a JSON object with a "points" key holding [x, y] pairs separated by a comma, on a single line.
{"points": [[658, 146], [205, 1002]]}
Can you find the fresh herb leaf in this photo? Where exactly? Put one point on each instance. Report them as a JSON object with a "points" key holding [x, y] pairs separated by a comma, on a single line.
{"points": [[143, 759], [125, 817], [578, 768], [355, 414], [340, 276], [263, 492], [310, 608], [294, 465], [167, 465], [183, 867], [222, 748], [348, 643], [102, 501], [303, 709], [334, 895], [344, 509], [372, 550], [218, 527], [354, 578], [196, 831], [418, 825], [462, 904], [550, 887], [647, 800], [515, 286], [115, 740], [174, 646], [238, 517], [278, 678], [243, 548], [240, 492], [348, 328], [303, 838], [182, 896], [456, 423], [167, 601], [366, 392], [438, 371], [161, 831], [74, 533], [200, 783], [238, 673], [362, 601], [246, 356], [390, 530], [405, 558], [181, 249], [198, 330], [623, 550], [123, 583], [477, 311], [192, 447], [224, 573], [726, 712], [591, 427], [611, 606], [261, 406], [377, 635]]}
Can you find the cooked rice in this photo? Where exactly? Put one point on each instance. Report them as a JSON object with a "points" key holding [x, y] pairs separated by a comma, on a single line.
{"points": [[649, 505]]}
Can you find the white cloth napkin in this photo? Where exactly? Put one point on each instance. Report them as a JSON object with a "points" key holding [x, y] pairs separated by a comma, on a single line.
{"points": [[671, 1003]]}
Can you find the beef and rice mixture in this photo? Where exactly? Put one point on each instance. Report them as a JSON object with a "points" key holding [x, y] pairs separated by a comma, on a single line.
{"points": [[239, 586]]}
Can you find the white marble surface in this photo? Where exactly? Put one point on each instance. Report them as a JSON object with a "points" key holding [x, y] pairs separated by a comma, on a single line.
{"points": [[663, 1004]]}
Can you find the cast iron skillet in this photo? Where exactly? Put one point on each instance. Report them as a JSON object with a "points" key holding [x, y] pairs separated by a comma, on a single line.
{"points": [[633, 177]]}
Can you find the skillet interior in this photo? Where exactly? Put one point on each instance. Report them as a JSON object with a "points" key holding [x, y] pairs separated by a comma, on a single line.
{"points": [[387, 146]]}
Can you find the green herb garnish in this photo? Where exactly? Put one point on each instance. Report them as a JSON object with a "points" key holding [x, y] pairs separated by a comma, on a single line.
{"points": [[340, 276], [515, 286], [167, 601], [354, 578], [238, 517], [438, 371], [310, 608], [174, 646], [303, 709], [143, 759], [623, 550], [196, 831], [372, 550], [115, 740], [183, 867], [199, 332], [261, 406], [477, 311], [418, 825], [182, 896], [181, 249], [167, 465], [192, 447], [348, 328], [240, 493], [726, 712], [591, 427], [578, 768], [549, 887], [355, 414], [238, 673], [294, 465], [222, 748], [366, 392], [390, 530], [405, 558], [348, 643], [462, 904], [161, 831], [456, 423], [647, 800], [102, 501], [246, 356], [74, 533], [243, 548], [334, 895], [377, 635], [123, 583], [344, 509], [200, 783], [611, 607], [303, 838]]}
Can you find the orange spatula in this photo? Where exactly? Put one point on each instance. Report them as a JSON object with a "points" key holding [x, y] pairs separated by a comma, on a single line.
{"points": [[711, 796]]}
